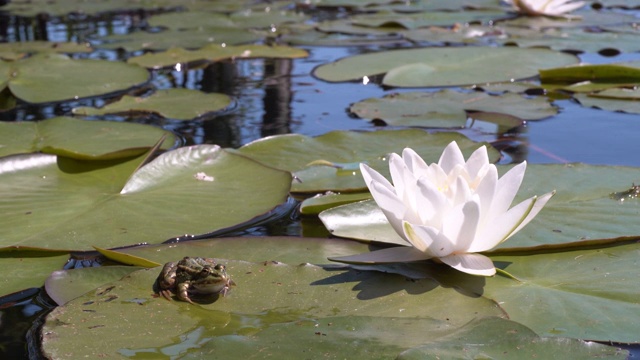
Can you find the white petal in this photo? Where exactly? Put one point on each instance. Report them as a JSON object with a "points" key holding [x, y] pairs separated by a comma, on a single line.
{"points": [[461, 224], [502, 226], [474, 264], [427, 239], [369, 175], [563, 7], [540, 202], [392, 207], [485, 191], [506, 190], [451, 156], [477, 161], [414, 162], [390, 255], [432, 203], [397, 168]]}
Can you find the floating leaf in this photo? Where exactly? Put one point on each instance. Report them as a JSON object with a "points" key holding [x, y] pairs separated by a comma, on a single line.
{"points": [[50, 78], [495, 338], [27, 268], [296, 293], [606, 73], [17, 50], [424, 19], [447, 108], [295, 152], [65, 285], [127, 259], [215, 53], [181, 104], [81, 139], [315, 205], [625, 100], [444, 66], [189, 39], [73, 204]]}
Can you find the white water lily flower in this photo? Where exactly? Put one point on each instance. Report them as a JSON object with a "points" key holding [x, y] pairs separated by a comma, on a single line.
{"points": [[450, 210], [545, 7]]}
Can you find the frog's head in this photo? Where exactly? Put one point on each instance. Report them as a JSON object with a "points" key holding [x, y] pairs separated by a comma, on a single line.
{"points": [[212, 280]]}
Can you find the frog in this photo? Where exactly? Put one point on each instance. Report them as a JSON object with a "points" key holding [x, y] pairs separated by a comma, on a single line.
{"points": [[193, 275]]}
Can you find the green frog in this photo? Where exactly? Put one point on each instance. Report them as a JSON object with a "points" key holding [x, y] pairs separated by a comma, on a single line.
{"points": [[193, 275]]}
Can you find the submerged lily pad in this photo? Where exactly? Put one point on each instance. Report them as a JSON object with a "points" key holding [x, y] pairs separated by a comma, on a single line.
{"points": [[625, 100], [73, 204], [445, 66], [575, 213], [215, 53], [447, 108], [81, 139], [331, 161], [51, 78], [181, 104]]}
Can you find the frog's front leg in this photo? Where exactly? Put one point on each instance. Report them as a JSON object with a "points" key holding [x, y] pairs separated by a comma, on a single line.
{"points": [[182, 291]]}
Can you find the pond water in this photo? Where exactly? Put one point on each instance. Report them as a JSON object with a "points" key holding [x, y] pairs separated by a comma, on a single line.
{"points": [[279, 96]]}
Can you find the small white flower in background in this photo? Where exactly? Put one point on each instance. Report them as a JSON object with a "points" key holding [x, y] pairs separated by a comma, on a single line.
{"points": [[450, 210], [545, 7]]}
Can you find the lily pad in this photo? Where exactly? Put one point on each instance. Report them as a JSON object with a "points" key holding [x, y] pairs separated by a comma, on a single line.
{"points": [[291, 250], [330, 161], [584, 294], [573, 214], [51, 78], [296, 293], [181, 104], [447, 108], [189, 39], [625, 100], [81, 139], [65, 285], [24, 269], [17, 50], [424, 19], [495, 338], [445, 66], [73, 204], [215, 53], [317, 204]]}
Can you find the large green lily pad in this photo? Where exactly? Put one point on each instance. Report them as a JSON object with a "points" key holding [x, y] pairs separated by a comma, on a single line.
{"points": [[331, 161], [81, 139], [625, 100], [51, 78], [74, 204], [181, 104], [447, 108], [215, 53], [424, 19], [295, 293], [582, 209], [445, 66]]}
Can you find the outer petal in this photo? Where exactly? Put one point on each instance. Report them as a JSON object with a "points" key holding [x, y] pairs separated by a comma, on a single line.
{"points": [[428, 240], [506, 190], [392, 207], [540, 202], [398, 171], [451, 156], [369, 175], [390, 255], [501, 227], [562, 7], [474, 264]]}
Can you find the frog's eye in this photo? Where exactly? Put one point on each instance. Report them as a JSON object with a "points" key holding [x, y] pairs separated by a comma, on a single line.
{"points": [[220, 267]]}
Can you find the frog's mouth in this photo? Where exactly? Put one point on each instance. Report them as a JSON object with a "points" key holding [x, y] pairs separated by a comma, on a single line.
{"points": [[213, 286]]}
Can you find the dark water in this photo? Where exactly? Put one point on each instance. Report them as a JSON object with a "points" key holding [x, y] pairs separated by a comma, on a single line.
{"points": [[278, 97]]}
